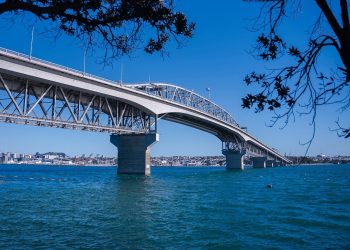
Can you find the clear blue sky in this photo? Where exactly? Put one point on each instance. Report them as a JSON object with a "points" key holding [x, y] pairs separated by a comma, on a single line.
{"points": [[217, 57]]}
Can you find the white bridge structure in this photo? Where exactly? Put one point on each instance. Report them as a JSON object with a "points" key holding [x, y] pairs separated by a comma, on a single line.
{"points": [[41, 93]]}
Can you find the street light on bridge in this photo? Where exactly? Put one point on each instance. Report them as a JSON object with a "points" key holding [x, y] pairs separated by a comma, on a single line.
{"points": [[208, 90]]}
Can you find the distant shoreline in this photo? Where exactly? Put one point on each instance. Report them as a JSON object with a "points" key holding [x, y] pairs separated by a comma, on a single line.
{"points": [[57, 165], [158, 166]]}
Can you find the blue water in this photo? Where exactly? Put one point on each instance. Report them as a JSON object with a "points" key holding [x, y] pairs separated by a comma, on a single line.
{"points": [[176, 208]]}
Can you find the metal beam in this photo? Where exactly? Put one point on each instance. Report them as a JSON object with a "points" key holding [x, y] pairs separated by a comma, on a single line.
{"points": [[110, 112], [87, 109], [68, 104], [10, 95], [38, 100]]}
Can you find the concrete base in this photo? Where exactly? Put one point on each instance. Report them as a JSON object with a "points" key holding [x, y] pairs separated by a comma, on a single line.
{"points": [[234, 159], [277, 163], [270, 163], [259, 162], [134, 152]]}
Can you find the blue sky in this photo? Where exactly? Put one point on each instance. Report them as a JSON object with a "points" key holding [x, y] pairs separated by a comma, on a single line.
{"points": [[217, 57]]}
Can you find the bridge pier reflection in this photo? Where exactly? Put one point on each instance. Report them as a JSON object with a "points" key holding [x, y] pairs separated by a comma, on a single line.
{"points": [[234, 158], [134, 152]]}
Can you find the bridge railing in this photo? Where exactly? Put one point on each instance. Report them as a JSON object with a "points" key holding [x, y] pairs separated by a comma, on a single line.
{"points": [[54, 65], [188, 98], [166, 91]]}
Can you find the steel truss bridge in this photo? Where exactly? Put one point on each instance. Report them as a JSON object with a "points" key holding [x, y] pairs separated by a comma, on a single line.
{"points": [[41, 93]]}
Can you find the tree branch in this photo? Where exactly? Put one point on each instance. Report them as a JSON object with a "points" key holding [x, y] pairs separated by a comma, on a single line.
{"points": [[345, 15], [109, 24], [330, 17]]}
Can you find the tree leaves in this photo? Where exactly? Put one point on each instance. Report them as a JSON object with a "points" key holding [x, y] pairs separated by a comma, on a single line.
{"points": [[294, 51], [299, 85], [262, 100], [118, 26], [270, 46]]}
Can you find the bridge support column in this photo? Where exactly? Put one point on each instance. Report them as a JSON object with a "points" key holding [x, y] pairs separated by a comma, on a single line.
{"points": [[134, 152], [277, 163], [234, 159], [270, 163], [259, 162]]}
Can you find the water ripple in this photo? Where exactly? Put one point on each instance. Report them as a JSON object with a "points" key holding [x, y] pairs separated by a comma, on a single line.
{"points": [[176, 208]]}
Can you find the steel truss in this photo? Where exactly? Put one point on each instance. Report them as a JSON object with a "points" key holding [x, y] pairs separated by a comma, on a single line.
{"points": [[27, 102], [233, 143], [250, 150], [254, 151], [188, 98]]}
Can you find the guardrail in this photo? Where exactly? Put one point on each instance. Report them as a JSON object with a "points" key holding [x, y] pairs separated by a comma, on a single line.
{"points": [[57, 66], [221, 115]]}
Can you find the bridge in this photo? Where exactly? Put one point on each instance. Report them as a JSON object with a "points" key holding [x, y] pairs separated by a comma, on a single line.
{"points": [[41, 93]]}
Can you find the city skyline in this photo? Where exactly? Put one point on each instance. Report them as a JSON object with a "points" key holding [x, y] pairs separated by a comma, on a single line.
{"points": [[160, 156], [200, 64], [60, 158]]}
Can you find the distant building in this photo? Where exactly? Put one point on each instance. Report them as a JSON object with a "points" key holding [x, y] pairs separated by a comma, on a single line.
{"points": [[50, 156], [4, 159]]}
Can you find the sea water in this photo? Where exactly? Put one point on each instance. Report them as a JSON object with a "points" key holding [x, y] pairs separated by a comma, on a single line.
{"points": [[53, 207]]}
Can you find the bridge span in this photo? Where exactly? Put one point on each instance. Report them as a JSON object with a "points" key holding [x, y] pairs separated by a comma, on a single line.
{"points": [[41, 93]]}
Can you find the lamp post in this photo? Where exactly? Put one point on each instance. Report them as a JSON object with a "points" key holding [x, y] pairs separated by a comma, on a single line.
{"points": [[121, 74], [208, 90], [84, 61], [31, 44]]}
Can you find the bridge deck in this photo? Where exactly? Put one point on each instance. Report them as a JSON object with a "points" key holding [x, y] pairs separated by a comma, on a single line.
{"points": [[164, 100]]}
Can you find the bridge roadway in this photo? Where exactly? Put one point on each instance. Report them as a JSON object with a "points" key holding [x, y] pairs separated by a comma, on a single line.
{"points": [[41, 93]]}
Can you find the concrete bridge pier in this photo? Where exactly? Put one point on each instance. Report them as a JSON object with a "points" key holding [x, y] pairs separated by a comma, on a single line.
{"points": [[270, 163], [234, 159], [277, 163], [259, 162], [134, 152]]}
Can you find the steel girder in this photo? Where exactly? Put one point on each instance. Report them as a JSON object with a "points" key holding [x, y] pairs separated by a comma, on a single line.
{"points": [[234, 143], [188, 98], [27, 102], [38, 103]]}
